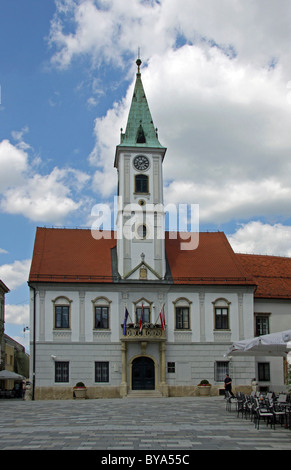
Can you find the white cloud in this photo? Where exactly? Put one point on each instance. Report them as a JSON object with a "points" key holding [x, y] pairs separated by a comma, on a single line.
{"points": [[18, 136], [40, 198], [216, 75], [13, 164], [233, 200], [263, 239], [107, 132], [255, 31], [17, 314], [226, 126], [97, 29], [16, 274]]}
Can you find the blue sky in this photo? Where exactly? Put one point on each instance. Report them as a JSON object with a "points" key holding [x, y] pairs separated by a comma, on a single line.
{"points": [[218, 82]]}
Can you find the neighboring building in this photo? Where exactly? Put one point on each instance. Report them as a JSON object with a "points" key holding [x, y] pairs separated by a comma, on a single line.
{"points": [[3, 290], [272, 310], [96, 299], [16, 359]]}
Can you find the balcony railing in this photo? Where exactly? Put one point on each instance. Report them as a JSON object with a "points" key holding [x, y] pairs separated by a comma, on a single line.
{"points": [[148, 331]]}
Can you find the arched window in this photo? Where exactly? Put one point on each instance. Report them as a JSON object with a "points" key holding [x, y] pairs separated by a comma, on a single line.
{"points": [[62, 313], [143, 308], [182, 313], [221, 314], [140, 137], [101, 313]]}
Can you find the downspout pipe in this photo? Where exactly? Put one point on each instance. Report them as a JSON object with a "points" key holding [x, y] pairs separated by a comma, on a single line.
{"points": [[33, 343]]}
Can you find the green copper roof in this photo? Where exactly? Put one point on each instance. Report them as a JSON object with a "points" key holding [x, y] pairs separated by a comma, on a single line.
{"points": [[140, 129]]}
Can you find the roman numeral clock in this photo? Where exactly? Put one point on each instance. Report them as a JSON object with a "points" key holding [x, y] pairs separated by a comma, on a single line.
{"points": [[141, 163]]}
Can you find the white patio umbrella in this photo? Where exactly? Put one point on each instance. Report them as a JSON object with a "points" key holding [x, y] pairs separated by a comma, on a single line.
{"points": [[8, 375], [274, 344]]}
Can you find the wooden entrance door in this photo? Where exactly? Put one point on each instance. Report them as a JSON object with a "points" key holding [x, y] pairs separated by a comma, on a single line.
{"points": [[143, 374]]}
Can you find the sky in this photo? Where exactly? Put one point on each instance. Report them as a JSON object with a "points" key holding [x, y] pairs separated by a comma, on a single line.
{"points": [[217, 76]]}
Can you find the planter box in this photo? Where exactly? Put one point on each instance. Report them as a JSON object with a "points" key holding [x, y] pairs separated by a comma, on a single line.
{"points": [[204, 390], [80, 392]]}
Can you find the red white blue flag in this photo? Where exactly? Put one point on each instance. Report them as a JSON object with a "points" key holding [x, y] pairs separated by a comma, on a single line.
{"points": [[125, 321], [141, 318], [162, 318]]}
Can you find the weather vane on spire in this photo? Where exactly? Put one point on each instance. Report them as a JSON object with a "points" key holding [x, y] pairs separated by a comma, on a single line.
{"points": [[138, 62]]}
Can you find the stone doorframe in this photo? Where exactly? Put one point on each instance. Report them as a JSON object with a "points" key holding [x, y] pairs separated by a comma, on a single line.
{"points": [[156, 366], [160, 379]]}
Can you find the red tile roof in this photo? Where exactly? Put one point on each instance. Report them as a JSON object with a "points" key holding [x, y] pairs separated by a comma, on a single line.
{"points": [[272, 275], [213, 262], [73, 255], [70, 255]]}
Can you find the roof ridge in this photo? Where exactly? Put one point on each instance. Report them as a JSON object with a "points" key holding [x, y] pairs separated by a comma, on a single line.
{"points": [[265, 256]]}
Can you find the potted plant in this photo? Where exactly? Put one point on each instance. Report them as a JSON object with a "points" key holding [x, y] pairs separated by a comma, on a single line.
{"points": [[79, 391], [204, 388]]}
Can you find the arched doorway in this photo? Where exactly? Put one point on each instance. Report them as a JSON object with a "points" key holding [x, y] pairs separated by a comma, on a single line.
{"points": [[143, 374]]}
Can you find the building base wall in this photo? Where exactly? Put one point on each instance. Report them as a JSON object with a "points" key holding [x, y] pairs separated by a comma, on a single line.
{"points": [[193, 391], [66, 393]]}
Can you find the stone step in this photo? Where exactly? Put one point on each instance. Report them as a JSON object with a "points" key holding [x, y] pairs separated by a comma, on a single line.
{"points": [[144, 394]]}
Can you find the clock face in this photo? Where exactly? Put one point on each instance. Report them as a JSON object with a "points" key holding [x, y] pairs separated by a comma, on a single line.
{"points": [[141, 163]]}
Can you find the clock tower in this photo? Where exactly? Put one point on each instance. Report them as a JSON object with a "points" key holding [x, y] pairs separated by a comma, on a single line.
{"points": [[140, 214]]}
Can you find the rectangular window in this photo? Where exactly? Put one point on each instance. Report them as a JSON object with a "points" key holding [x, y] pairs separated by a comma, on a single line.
{"points": [[61, 372], [221, 318], [262, 325], [171, 367], [221, 368], [264, 371], [101, 371], [101, 317], [146, 314], [62, 315], [141, 184], [182, 318]]}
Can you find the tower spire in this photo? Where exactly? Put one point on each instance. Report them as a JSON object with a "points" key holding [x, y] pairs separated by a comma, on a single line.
{"points": [[140, 130]]}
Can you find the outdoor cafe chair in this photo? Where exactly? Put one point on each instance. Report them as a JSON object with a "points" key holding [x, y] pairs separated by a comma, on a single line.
{"points": [[262, 411], [279, 413]]}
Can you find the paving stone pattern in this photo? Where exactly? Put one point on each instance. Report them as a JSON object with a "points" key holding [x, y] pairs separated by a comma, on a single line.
{"points": [[195, 423]]}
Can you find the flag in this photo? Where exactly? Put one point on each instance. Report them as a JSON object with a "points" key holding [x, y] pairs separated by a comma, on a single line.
{"points": [[141, 318], [162, 317], [125, 320]]}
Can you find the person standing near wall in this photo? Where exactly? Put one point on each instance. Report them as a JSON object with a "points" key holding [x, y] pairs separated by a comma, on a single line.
{"points": [[228, 385]]}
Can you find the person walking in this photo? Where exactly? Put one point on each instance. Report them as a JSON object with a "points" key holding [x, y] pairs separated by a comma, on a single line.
{"points": [[228, 385], [23, 389]]}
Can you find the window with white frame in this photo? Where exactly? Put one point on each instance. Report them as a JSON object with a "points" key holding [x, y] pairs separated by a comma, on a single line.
{"points": [[262, 324], [182, 313], [221, 314], [143, 308], [221, 368], [62, 312], [101, 313]]}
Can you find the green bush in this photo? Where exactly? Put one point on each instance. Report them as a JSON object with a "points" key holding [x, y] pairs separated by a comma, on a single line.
{"points": [[80, 384]]}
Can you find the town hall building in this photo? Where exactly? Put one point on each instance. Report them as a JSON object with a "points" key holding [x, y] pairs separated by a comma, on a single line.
{"points": [[136, 309]]}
